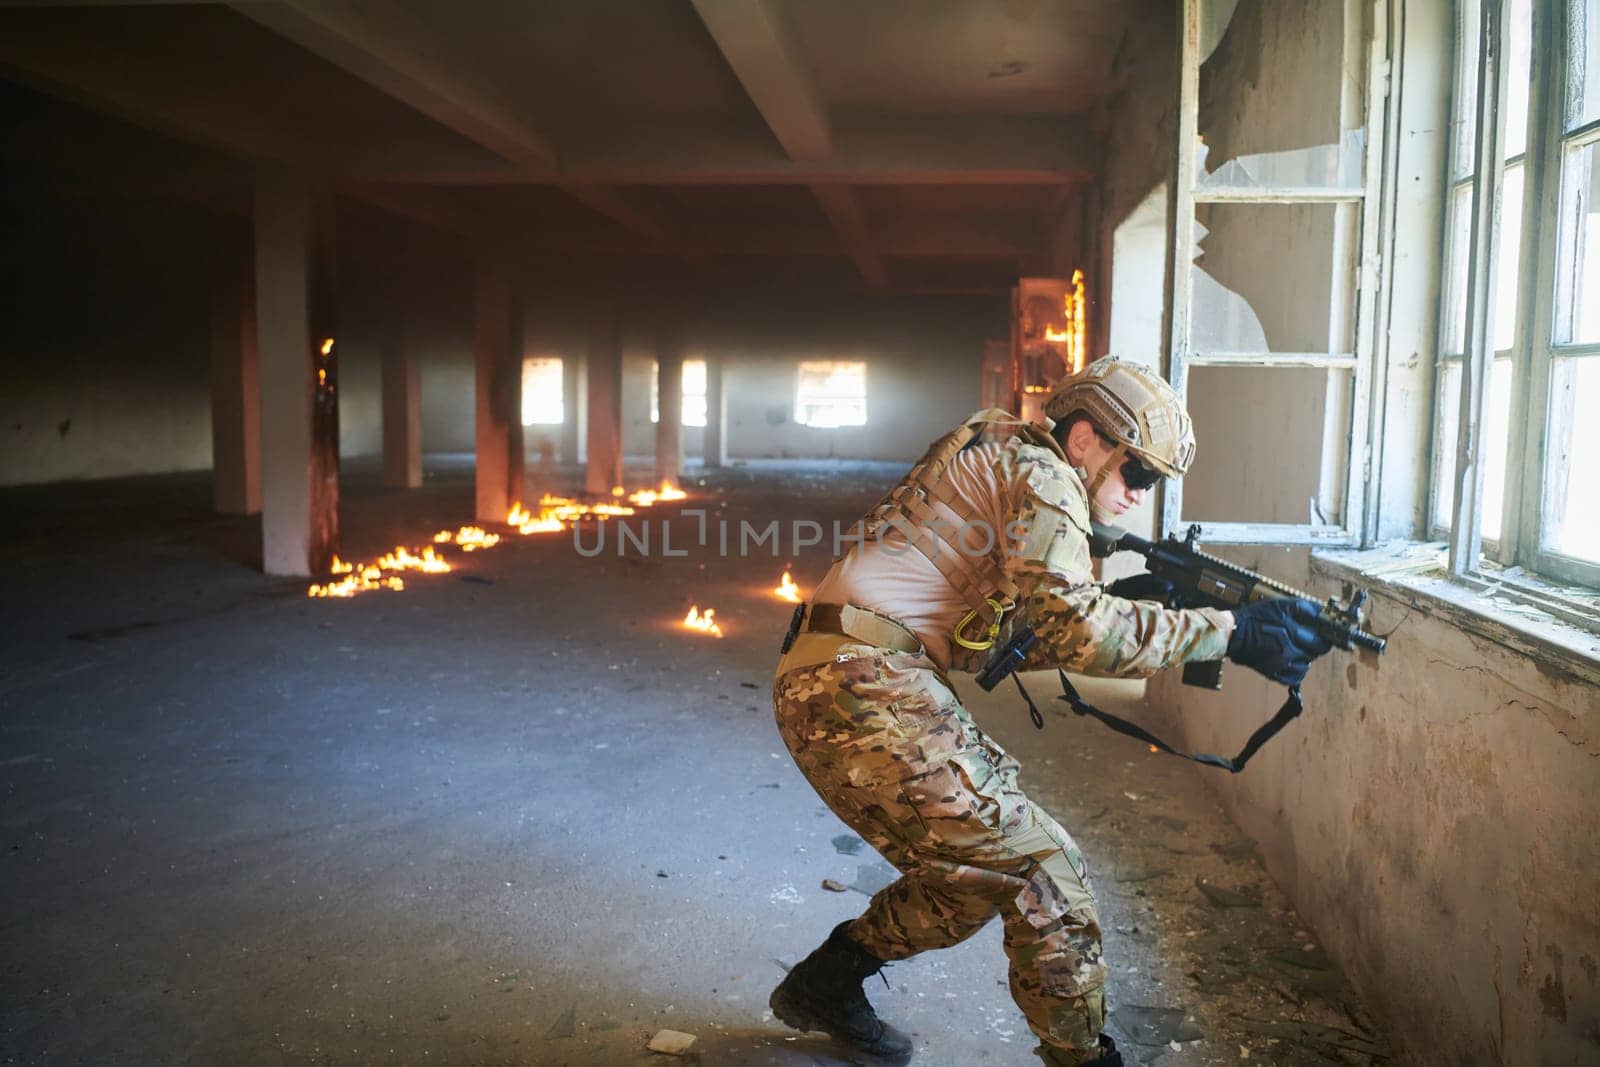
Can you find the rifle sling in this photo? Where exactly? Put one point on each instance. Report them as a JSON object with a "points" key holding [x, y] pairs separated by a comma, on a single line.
{"points": [[1291, 708]]}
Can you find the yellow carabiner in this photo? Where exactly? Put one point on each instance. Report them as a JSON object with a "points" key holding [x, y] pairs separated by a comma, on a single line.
{"points": [[990, 635]]}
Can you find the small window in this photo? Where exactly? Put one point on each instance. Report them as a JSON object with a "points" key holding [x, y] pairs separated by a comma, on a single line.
{"points": [[831, 393], [694, 393], [541, 392]]}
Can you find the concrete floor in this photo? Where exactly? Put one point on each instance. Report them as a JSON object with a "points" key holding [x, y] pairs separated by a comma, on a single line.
{"points": [[515, 815]]}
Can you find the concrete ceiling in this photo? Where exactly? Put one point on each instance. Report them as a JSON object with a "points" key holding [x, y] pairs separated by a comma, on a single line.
{"points": [[924, 144]]}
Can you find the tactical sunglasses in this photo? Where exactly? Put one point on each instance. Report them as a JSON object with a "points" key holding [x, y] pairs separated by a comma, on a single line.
{"points": [[1135, 475]]}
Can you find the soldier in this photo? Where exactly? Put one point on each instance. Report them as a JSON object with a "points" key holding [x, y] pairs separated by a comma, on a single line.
{"points": [[989, 532]]}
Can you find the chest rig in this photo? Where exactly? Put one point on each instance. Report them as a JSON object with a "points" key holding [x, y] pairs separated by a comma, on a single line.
{"points": [[978, 578]]}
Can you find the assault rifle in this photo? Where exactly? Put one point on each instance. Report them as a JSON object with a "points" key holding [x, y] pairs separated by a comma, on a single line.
{"points": [[1196, 580], [1200, 580]]}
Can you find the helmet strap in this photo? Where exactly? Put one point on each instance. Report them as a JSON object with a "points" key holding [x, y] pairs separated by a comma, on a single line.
{"points": [[1098, 510]]}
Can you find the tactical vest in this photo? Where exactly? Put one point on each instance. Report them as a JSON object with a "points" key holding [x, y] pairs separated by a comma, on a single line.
{"points": [[980, 581]]}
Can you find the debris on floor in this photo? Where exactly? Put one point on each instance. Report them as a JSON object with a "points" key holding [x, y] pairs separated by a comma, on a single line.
{"points": [[671, 1042]]}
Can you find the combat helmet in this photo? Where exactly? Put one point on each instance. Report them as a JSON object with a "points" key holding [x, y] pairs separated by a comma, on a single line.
{"points": [[1135, 407]]}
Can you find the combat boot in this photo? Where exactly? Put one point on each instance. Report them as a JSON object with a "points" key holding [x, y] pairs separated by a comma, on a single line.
{"points": [[823, 992], [1108, 1055]]}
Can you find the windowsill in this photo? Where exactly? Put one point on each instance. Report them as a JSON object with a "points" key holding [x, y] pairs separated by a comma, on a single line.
{"points": [[1412, 574]]}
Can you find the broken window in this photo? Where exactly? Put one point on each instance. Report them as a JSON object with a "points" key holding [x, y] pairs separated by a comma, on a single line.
{"points": [[1516, 412], [1271, 339], [542, 399], [831, 393]]}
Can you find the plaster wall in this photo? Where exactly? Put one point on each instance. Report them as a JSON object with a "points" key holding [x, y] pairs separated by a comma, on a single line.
{"points": [[1431, 813], [105, 342]]}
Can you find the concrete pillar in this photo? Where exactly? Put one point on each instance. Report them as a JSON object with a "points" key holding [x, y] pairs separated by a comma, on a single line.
{"points": [[402, 406], [235, 384], [572, 393], [497, 345], [604, 402], [669, 396], [716, 435], [299, 369]]}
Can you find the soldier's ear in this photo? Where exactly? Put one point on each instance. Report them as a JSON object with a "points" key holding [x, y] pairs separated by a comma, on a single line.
{"points": [[1080, 442]]}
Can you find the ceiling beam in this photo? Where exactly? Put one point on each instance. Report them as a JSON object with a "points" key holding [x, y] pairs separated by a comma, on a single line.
{"points": [[911, 150], [385, 47], [843, 208], [764, 57], [754, 40]]}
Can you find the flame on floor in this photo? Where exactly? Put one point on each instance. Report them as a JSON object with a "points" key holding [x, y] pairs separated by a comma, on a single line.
{"points": [[348, 579], [702, 622], [353, 578], [467, 538], [403, 559], [556, 513], [787, 590], [645, 498]]}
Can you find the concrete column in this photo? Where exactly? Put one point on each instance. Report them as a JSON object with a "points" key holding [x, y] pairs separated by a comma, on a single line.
{"points": [[604, 402], [572, 393], [235, 384], [497, 344], [716, 435], [669, 394], [402, 406], [299, 369]]}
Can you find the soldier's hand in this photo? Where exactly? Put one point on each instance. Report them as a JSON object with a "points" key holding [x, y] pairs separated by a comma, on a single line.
{"points": [[1142, 587], [1278, 638]]}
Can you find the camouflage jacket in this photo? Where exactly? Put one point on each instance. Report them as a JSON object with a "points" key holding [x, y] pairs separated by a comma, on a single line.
{"points": [[1082, 628]]}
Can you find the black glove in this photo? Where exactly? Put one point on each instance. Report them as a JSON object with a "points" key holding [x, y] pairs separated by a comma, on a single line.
{"points": [[1142, 587], [1278, 638]]}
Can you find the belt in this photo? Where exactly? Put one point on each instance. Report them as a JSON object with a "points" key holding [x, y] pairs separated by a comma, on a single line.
{"points": [[818, 631], [865, 626]]}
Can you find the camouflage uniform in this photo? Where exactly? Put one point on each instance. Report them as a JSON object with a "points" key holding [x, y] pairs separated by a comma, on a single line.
{"points": [[885, 741]]}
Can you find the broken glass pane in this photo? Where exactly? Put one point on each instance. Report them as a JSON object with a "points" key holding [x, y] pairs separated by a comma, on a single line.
{"points": [[1330, 166], [1273, 278], [1272, 443], [1277, 84]]}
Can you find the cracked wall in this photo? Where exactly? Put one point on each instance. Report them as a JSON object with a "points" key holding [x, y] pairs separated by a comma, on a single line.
{"points": [[1432, 815]]}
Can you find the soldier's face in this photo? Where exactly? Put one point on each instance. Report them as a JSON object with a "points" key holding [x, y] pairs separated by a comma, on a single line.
{"points": [[1115, 494]]}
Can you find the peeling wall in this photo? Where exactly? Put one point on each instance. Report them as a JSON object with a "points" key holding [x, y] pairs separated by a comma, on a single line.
{"points": [[1432, 815]]}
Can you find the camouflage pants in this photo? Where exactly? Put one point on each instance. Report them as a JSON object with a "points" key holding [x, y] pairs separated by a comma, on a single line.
{"points": [[889, 747]]}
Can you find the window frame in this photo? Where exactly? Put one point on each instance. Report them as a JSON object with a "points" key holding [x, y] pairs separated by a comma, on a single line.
{"points": [[1356, 518], [1535, 351]]}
